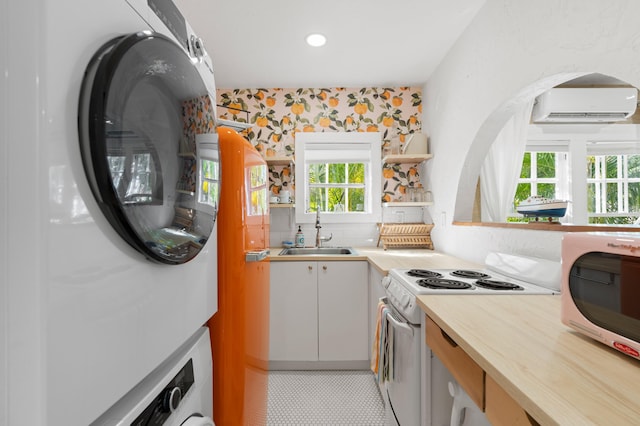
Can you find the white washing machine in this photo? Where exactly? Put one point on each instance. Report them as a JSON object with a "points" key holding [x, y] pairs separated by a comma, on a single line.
{"points": [[176, 393], [108, 250]]}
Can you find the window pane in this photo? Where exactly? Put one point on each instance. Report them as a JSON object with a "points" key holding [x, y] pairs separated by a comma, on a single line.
{"points": [[209, 182], [356, 200], [317, 199], [526, 166], [258, 190], [612, 197], [139, 189], [116, 166], [591, 198], [547, 190], [523, 191], [336, 197], [591, 167], [337, 173], [612, 166], [356, 173], [634, 196], [634, 166], [317, 173], [546, 167]]}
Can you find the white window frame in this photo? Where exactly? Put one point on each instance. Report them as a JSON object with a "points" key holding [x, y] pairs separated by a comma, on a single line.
{"points": [[582, 141], [339, 147], [622, 150], [207, 149], [562, 168]]}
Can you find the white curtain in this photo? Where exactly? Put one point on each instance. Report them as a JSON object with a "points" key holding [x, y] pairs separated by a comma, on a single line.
{"points": [[501, 168]]}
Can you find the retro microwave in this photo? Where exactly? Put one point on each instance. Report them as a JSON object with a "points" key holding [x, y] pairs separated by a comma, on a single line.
{"points": [[601, 288]]}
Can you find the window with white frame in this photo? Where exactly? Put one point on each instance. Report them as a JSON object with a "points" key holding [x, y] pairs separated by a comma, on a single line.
{"points": [[545, 171], [597, 168], [208, 173], [613, 182], [338, 174]]}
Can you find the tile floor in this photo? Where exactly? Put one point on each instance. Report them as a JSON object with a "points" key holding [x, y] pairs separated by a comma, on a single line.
{"points": [[327, 398]]}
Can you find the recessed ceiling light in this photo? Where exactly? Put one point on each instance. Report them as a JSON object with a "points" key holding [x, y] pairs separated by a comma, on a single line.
{"points": [[316, 40]]}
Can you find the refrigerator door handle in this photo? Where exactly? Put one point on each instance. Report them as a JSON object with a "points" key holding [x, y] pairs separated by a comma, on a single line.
{"points": [[257, 256]]}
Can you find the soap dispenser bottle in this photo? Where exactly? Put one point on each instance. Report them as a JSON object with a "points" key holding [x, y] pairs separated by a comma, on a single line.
{"points": [[299, 237]]}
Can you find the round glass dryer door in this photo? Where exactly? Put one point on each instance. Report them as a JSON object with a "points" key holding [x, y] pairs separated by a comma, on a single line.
{"points": [[149, 146]]}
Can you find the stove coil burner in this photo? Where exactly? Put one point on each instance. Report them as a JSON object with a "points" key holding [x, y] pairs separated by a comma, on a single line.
{"points": [[498, 285], [463, 273], [444, 284], [423, 273]]}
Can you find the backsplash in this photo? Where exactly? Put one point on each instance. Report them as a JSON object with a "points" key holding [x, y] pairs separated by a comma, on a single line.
{"points": [[283, 227], [277, 114]]}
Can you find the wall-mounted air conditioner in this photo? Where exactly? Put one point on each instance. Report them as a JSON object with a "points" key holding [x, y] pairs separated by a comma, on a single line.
{"points": [[585, 105]]}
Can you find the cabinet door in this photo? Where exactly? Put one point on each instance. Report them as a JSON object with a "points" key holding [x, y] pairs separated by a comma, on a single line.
{"points": [[293, 324], [342, 311], [376, 291]]}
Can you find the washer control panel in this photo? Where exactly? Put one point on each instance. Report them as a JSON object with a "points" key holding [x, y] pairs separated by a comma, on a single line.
{"points": [[168, 400]]}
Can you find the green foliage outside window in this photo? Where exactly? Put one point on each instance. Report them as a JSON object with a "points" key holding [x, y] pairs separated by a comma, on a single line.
{"points": [[615, 184], [619, 194], [541, 166], [336, 187]]}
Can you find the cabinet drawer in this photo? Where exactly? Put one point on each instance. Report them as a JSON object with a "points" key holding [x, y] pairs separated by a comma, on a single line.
{"points": [[464, 369], [501, 409]]}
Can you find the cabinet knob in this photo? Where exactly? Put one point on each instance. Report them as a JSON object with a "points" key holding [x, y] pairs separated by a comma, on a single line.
{"points": [[324, 267], [310, 268]]}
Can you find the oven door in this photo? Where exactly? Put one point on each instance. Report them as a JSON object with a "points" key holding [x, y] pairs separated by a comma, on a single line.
{"points": [[402, 390]]}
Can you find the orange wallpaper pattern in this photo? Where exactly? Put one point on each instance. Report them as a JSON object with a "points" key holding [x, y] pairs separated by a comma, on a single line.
{"points": [[277, 114]]}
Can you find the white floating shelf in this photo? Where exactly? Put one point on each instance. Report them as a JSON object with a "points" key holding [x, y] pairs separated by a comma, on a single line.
{"points": [[235, 125], [407, 204], [279, 160], [281, 205], [406, 158]]}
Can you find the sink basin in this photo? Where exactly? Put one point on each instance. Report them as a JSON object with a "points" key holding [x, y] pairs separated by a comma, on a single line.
{"points": [[318, 251]]}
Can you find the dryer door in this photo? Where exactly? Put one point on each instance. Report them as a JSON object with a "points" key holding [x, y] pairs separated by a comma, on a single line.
{"points": [[142, 104], [197, 420]]}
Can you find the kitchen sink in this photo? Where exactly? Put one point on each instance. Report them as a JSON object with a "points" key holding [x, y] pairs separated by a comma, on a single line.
{"points": [[318, 251]]}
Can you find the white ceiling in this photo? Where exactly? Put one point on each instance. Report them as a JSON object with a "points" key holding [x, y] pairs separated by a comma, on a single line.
{"points": [[371, 43]]}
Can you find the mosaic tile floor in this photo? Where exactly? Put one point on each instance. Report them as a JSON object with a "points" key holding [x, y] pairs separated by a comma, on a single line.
{"points": [[327, 398]]}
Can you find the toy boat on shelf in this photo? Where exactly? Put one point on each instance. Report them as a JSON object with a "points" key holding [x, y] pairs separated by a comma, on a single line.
{"points": [[537, 206]]}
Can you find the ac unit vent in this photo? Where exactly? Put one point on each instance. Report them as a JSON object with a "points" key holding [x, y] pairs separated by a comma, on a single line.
{"points": [[583, 116], [579, 105]]}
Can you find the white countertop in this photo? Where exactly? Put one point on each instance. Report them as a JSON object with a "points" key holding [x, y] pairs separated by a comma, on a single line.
{"points": [[384, 260]]}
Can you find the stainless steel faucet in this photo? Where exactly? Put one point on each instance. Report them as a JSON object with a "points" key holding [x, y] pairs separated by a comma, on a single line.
{"points": [[320, 239]]}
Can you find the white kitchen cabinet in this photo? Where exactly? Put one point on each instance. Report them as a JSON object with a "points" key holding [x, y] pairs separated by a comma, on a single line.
{"points": [[293, 325], [319, 311], [342, 311]]}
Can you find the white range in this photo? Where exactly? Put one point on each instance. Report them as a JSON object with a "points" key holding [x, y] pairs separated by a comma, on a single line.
{"points": [[418, 392]]}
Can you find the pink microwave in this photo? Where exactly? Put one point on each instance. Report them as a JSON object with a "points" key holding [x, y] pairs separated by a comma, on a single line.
{"points": [[601, 288]]}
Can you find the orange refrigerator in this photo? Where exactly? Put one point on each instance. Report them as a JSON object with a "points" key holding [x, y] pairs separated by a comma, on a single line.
{"points": [[240, 328]]}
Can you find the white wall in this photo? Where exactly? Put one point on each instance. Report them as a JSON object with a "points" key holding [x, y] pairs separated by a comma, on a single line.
{"points": [[512, 51]]}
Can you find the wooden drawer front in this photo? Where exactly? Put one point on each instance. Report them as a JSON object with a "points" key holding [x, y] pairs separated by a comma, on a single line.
{"points": [[501, 409], [464, 369]]}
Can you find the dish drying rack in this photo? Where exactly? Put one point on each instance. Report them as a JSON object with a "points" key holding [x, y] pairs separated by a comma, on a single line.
{"points": [[405, 235]]}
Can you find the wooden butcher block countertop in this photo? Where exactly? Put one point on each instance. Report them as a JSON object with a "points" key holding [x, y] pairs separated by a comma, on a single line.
{"points": [[384, 260], [555, 374]]}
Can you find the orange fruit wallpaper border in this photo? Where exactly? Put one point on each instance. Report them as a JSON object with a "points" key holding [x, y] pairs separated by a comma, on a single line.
{"points": [[277, 114]]}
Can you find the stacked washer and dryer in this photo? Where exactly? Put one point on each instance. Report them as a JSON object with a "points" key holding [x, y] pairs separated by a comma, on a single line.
{"points": [[109, 199]]}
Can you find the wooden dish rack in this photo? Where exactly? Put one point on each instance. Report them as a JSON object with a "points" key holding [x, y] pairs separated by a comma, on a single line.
{"points": [[405, 235]]}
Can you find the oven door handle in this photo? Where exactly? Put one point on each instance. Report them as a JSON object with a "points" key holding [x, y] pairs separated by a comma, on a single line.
{"points": [[401, 325]]}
